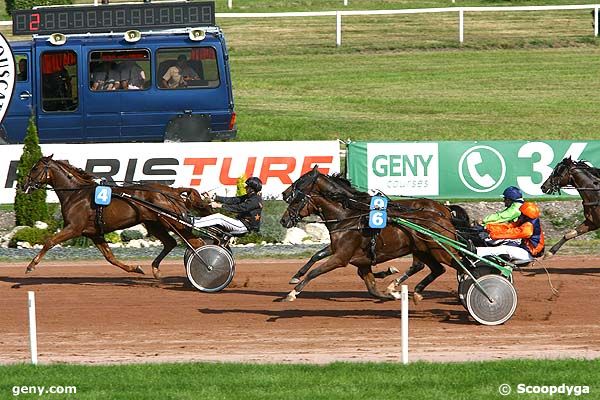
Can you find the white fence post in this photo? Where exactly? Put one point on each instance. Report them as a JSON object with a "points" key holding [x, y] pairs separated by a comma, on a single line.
{"points": [[32, 328], [461, 25], [338, 28], [345, 2], [404, 323], [230, 4], [596, 21]]}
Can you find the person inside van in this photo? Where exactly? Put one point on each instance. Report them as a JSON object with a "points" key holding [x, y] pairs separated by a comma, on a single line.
{"points": [[22, 75], [179, 74], [132, 76], [105, 76]]}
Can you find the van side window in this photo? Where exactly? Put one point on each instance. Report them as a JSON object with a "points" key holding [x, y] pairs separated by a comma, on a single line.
{"points": [[119, 70], [22, 64], [185, 68], [59, 81]]}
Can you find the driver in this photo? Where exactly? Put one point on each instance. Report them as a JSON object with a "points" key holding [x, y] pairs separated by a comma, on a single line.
{"points": [[513, 199], [528, 228], [248, 210]]}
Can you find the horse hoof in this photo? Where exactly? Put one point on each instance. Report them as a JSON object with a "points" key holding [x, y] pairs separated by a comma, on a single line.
{"points": [[391, 288], [294, 281], [417, 297], [548, 255], [29, 269], [156, 273], [393, 270], [395, 295], [291, 296], [138, 270]]}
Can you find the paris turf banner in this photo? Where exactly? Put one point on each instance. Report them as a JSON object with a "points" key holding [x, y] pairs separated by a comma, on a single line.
{"points": [[461, 170]]}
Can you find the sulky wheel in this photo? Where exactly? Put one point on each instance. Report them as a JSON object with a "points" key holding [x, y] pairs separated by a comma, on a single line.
{"points": [[465, 282], [210, 268], [500, 309]]}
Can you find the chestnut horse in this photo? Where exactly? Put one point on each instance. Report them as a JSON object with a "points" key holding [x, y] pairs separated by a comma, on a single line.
{"points": [[353, 242], [458, 215], [586, 179], [75, 191]]}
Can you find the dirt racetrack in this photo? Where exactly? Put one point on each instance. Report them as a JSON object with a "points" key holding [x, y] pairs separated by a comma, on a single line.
{"points": [[92, 312]]}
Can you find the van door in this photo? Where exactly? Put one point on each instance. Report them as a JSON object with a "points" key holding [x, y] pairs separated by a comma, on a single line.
{"points": [[59, 113], [19, 111], [102, 105]]}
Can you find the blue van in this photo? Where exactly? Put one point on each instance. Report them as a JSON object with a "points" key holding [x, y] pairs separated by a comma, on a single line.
{"points": [[154, 85]]}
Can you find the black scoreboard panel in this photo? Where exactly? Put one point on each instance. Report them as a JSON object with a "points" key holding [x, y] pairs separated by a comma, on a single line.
{"points": [[106, 18]]}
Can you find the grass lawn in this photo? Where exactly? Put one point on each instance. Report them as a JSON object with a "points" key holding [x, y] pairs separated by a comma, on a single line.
{"points": [[206, 381], [518, 75]]}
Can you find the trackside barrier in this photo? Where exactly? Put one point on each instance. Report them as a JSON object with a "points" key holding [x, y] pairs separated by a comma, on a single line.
{"points": [[404, 323], [32, 328], [461, 11]]}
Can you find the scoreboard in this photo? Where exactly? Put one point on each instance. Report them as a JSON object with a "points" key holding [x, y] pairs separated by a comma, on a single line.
{"points": [[107, 18]]}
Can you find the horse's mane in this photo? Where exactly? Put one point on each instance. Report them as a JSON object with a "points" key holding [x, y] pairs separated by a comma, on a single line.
{"points": [[584, 165], [356, 194], [71, 168]]}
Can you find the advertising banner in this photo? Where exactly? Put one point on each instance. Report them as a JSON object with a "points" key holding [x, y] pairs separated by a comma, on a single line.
{"points": [[461, 169], [202, 166]]}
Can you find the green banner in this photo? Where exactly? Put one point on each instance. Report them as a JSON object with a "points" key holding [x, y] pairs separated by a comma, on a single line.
{"points": [[461, 169]]}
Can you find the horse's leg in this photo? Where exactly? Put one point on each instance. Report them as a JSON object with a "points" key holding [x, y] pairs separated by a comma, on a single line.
{"points": [[386, 273], [110, 257], [335, 261], [319, 255], [366, 273], [168, 242], [416, 266], [67, 233], [585, 227], [437, 269]]}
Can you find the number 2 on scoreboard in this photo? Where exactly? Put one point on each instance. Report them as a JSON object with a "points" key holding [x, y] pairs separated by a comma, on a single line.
{"points": [[34, 24]]}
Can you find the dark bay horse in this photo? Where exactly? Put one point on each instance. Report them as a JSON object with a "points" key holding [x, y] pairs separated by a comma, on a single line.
{"points": [[75, 191], [458, 215], [586, 179], [353, 242]]}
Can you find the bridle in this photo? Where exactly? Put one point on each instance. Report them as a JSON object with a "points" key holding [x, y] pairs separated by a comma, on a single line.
{"points": [[557, 176], [298, 199], [35, 183]]}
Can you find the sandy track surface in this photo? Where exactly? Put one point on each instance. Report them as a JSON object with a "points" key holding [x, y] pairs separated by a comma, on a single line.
{"points": [[92, 312]]}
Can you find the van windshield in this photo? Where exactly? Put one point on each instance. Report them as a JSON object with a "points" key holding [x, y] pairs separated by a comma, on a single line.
{"points": [[185, 68], [120, 70]]}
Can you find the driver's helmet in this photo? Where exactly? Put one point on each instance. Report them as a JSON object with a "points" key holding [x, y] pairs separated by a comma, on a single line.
{"points": [[513, 193], [254, 183]]}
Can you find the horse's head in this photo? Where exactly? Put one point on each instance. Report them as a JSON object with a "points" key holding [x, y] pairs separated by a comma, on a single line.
{"points": [[560, 177], [298, 197], [38, 176]]}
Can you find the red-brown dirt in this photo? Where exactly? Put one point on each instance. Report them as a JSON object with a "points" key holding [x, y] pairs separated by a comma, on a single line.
{"points": [[92, 312]]}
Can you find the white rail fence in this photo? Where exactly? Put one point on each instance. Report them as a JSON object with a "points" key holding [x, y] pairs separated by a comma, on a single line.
{"points": [[460, 10]]}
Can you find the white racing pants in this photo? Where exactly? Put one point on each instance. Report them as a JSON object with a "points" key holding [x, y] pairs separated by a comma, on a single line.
{"points": [[231, 225], [517, 255]]}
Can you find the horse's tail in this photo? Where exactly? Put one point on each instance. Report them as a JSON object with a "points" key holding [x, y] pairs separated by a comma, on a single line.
{"points": [[460, 217], [193, 201]]}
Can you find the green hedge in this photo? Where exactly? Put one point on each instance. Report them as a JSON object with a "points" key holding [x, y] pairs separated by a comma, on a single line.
{"points": [[30, 235]]}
